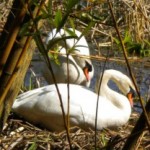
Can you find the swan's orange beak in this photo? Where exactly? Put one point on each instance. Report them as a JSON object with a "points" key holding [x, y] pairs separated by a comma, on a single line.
{"points": [[86, 73], [130, 97]]}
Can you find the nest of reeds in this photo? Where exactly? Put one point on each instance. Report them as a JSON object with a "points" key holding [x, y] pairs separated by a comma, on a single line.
{"points": [[19, 134]]}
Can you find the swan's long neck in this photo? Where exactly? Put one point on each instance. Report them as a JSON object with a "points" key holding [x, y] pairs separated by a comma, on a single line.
{"points": [[119, 100], [119, 109]]}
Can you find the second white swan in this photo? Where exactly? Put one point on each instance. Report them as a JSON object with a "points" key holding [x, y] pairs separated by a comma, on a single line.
{"points": [[80, 69]]}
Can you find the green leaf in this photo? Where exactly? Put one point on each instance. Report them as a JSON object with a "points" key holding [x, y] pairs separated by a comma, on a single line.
{"points": [[71, 33], [40, 44], [117, 41], [55, 41], [72, 23], [58, 18], [42, 16], [55, 57], [33, 146], [147, 42], [103, 139], [49, 7], [63, 21], [127, 39], [25, 29], [71, 4], [145, 53], [87, 28]]}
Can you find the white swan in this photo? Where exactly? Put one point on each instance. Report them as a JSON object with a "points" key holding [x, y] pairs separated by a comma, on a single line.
{"points": [[80, 69], [42, 106]]}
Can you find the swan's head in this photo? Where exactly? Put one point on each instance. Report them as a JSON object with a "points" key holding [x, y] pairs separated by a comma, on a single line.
{"points": [[130, 96], [125, 84], [86, 66], [88, 70], [127, 88]]}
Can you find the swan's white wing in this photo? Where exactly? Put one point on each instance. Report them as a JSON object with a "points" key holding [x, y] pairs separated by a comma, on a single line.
{"points": [[43, 106]]}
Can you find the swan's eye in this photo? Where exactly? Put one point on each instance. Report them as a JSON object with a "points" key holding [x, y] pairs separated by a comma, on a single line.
{"points": [[130, 96], [89, 66], [132, 91]]}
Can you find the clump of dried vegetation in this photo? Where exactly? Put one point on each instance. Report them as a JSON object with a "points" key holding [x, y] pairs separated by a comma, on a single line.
{"points": [[133, 21], [19, 134]]}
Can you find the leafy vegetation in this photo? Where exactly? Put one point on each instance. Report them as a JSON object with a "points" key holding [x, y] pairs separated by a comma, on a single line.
{"points": [[134, 48]]}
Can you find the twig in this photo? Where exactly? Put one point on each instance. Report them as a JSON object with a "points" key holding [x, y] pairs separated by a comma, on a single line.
{"points": [[18, 141], [99, 87], [37, 81], [98, 58]]}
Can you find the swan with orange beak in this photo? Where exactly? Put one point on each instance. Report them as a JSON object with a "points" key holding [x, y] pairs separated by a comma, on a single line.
{"points": [[80, 69]]}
